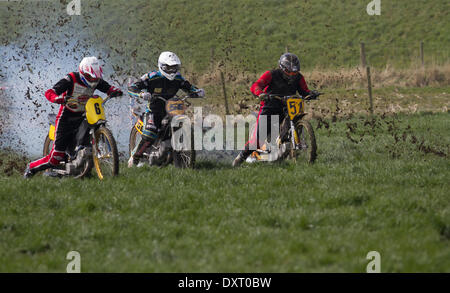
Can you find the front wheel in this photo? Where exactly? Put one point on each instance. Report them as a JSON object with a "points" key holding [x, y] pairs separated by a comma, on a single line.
{"points": [[185, 158], [305, 140], [105, 154]]}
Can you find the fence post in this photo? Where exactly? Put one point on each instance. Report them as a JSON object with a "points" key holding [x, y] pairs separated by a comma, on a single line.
{"points": [[286, 49], [362, 52], [227, 111], [211, 62], [421, 54], [369, 87]]}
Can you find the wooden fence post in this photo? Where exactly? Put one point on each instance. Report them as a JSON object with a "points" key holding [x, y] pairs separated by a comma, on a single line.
{"points": [[369, 87], [211, 62], [286, 49], [227, 111], [421, 54], [362, 52]]}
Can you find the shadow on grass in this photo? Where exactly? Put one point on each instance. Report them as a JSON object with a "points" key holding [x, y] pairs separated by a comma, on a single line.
{"points": [[210, 165], [223, 165]]}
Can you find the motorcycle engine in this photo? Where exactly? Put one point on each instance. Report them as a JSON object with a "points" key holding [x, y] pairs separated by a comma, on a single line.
{"points": [[159, 155], [164, 122], [75, 166]]}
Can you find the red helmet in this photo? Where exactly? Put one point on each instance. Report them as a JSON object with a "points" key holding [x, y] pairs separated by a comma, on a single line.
{"points": [[90, 71]]}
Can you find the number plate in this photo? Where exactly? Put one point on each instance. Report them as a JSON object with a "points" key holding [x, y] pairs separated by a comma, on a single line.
{"points": [[175, 107], [139, 126], [295, 107], [94, 110]]}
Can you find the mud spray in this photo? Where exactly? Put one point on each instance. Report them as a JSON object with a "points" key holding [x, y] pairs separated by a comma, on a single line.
{"points": [[32, 64], [42, 45]]}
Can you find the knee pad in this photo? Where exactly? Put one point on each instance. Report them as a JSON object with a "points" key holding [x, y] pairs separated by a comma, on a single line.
{"points": [[150, 130]]}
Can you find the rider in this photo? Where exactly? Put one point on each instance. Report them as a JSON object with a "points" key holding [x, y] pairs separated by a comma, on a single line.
{"points": [[75, 85], [165, 83], [284, 81]]}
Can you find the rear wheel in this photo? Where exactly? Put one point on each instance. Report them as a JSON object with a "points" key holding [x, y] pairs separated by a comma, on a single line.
{"points": [[306, 143], [86, 170], [184, 159], [105, 154], [135, 137], [48, 145]]}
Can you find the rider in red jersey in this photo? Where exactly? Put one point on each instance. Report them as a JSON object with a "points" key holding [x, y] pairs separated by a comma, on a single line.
{"points": [[76, 85], [284, 81]]}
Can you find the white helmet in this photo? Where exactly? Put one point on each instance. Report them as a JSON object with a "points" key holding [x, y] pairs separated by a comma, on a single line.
{"points": [[90, 71], [169, 64]]}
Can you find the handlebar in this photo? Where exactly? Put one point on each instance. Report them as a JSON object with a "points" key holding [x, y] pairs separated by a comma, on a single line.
{"points": [[306, 98], [72, 100], [106, 99], [183, 98]]}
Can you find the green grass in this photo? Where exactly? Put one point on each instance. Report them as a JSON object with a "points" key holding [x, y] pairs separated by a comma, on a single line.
{"points": [[382, 193], [246, 35]]}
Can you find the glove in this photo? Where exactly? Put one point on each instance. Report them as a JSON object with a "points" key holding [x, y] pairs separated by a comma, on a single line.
{"points": [[263, 97], [200, 93], [62, 99], [146, 96], [114, 92], [313, 94]]}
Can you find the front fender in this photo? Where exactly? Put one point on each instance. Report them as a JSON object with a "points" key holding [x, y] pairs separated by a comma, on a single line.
{"points": [[51, 132], [299, 117], [180, 119]]}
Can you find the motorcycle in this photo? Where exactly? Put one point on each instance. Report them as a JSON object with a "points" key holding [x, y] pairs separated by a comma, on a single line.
{"points": [[94, 145], [162, 152], [296, 140]]}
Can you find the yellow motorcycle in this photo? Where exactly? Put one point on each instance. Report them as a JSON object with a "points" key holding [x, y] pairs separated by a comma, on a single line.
{"points": [[162, 152], [99, 153], [296, 140]]}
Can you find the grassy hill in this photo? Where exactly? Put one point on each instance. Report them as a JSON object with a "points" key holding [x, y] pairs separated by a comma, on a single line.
{"points": [[252, 34], [249, 35]]}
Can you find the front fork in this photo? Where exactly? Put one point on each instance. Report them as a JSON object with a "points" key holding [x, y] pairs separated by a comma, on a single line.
{"points": [[92, 130], [294, 137], [94, 144]]}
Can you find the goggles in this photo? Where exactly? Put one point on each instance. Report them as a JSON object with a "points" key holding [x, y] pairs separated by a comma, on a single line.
{"points": [[90, 78], [290, 73], [170, 68]]}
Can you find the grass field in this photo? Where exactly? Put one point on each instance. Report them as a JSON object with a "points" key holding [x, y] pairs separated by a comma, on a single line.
{"points": [[379, 184]]}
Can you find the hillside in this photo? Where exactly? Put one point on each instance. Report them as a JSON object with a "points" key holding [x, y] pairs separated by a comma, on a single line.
{"points": [[249, 35]]}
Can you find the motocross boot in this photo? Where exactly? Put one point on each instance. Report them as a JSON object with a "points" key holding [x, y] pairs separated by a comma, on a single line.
{"points": [[28, 173], [51, 173], [241, 158], [138, 151]]}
